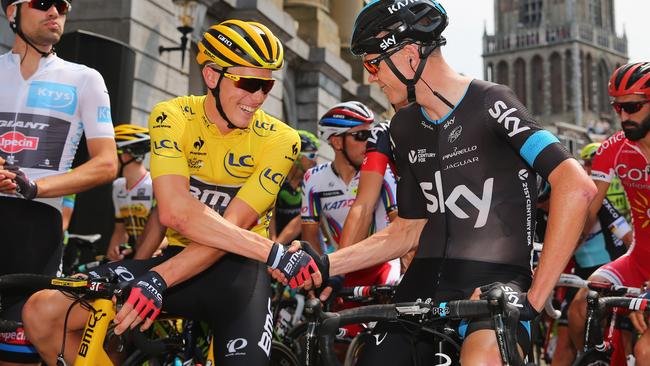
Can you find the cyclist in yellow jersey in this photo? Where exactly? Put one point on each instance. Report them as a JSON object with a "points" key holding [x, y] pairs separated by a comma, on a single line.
{"points": [[214, 157]]}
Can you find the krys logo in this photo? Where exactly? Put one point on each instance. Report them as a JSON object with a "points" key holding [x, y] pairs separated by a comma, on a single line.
{"points": [[53, 96], [14, 142], [271, 181], [232, 163]]}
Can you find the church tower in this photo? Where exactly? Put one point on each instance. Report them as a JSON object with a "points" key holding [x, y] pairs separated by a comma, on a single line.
{"points": [[557, 56]]}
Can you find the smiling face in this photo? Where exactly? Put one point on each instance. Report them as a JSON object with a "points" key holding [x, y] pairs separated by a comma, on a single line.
{"points": [[43, 28], [238, 104]]}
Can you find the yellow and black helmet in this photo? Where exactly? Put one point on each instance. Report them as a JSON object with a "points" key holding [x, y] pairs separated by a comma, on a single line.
{"points": [[132, 139], [240, 43]]}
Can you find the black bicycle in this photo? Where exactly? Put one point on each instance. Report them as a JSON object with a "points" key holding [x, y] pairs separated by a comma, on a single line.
{"points": [[429, 317]]}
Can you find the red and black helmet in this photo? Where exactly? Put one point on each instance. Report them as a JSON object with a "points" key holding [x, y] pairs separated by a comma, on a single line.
{"points": [[633, 78]]}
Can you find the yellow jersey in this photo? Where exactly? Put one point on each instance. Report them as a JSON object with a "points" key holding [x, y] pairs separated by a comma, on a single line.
{"points": [[250, 164]]}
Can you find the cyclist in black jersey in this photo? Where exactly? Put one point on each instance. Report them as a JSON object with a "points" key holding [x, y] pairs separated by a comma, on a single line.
{"points": [[466, 153]]}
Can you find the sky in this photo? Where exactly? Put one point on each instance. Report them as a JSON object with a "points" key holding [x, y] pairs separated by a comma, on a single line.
{"points": [[469, 18]]}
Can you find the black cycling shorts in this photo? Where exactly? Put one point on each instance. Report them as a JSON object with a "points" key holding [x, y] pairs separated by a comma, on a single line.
{"points": [[438, 280], [32, 243], [233, 296]]}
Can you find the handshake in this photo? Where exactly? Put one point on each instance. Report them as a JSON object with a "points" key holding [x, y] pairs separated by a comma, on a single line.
{"points": [[298, 266]]}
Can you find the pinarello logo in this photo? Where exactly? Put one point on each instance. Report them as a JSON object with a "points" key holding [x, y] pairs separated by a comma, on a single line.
{"points": [[15, 142]]}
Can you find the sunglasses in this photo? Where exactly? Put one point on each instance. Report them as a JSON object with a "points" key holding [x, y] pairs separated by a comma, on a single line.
{"points": [[629, 107], [250, 84], [62, 6], [361, 135], [309, 155], [372, 66]]}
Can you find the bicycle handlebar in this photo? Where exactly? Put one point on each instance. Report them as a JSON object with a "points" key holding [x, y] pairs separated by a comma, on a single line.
{"points": [[503, 314], [90, 238]]}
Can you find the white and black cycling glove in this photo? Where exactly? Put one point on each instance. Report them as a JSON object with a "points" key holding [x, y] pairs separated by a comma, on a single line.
{"points": [[297, 267], [25, 186], [515, 298]]}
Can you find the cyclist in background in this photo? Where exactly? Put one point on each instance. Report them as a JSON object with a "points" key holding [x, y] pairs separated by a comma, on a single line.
{"points": [[133, 197], [625, 155], [608, 239], [330, 189], [43, 101], [285, 221], [213, 155]]}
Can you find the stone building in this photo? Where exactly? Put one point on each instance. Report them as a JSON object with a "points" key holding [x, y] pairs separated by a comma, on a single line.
{"points": [[319, 71], [557, 55]]}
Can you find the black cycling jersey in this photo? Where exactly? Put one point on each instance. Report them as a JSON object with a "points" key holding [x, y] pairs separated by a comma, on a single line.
{"points": [[608, 216], [472, 174]]}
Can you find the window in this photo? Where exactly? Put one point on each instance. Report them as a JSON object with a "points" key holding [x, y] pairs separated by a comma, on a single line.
{"points": [[530, 12], [596, 13]]}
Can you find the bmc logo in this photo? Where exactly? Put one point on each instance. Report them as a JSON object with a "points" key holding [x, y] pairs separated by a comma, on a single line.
{"points": [[438, 202], [54, 96], [502, 113], [15, 142]]}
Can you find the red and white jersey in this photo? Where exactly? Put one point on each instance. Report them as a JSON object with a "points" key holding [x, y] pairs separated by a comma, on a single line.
{"points": [[620, 157]]}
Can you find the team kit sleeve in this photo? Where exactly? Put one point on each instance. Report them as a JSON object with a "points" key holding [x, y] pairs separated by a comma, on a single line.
{"points": [[166, 129], [377, 150], [310, 206], [509, 119], [410, 197], [614, 221], [602, 164], [116, 206], [95, 106], [275, 160]]}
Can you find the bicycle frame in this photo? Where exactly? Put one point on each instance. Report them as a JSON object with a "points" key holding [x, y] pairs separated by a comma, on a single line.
{"points": [[91, 349]]}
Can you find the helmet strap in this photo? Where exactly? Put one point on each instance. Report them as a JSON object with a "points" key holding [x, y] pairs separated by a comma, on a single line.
{"points": [[215, 93], [15, 26], [424, 52]]}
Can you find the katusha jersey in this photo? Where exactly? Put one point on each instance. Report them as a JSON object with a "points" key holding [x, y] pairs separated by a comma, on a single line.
{"points": [[250, 164], [327, 199], [42, 118], [472, 174], [133, 205], [620, 157]]}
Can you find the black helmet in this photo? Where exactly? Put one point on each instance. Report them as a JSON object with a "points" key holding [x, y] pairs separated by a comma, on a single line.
{"points": [[406, 21], [5, 4]]}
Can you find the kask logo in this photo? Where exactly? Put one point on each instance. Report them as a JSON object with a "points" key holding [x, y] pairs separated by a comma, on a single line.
{"points": [[57, 97], [400, 4], [14, 142]]}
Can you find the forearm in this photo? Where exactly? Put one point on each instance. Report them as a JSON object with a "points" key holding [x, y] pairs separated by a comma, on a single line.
{"points": [[393, 242], [569, 206], [193, 260], [153, 235], [356, 225], [94, 172], [290, 231], [200, 224]]}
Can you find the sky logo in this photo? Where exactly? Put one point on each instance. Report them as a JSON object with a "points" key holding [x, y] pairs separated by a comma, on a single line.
{"points": [[104, 115], [57, 97]]}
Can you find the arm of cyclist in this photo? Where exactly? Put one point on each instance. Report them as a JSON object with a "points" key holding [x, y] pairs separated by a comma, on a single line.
{"points": [[310, 232], [571, 195], [119, 236], [357, 223], [393, 242], [292, 230], [152, 236], [101, 168]]}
